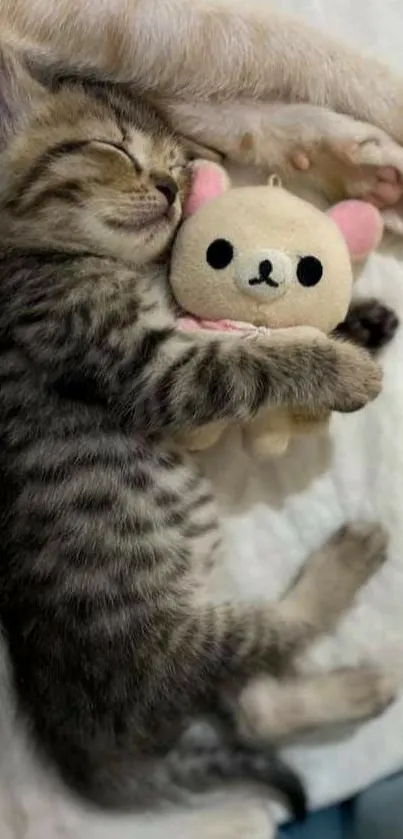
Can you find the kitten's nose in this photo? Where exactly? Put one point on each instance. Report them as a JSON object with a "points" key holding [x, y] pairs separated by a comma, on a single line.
{"points": [[168, 187]]}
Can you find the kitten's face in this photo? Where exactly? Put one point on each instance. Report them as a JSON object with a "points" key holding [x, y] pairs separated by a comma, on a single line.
{"points": [[87, 172]]}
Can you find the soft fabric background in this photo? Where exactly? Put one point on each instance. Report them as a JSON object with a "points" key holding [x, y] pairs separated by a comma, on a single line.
{"points": [[277, 514]]}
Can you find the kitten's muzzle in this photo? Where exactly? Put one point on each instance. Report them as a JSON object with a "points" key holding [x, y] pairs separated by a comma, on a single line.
{"points": [[167, 187]]}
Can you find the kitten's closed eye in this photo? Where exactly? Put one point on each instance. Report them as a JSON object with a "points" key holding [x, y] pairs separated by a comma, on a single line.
{"points": [[98, 175], [107, 145]]}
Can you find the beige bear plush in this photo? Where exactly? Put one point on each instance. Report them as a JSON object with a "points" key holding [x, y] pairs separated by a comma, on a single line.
{"points": [[258, 258]]}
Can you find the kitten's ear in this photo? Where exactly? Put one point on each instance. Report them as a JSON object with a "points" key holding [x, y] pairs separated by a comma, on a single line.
{"points": [[18, 90]]}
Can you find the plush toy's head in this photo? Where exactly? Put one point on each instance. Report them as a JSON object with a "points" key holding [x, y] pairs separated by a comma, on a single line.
{"points": [[261, 255]]}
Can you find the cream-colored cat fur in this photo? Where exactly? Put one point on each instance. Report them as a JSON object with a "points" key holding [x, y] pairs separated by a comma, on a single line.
{"points": [[253, 52]]}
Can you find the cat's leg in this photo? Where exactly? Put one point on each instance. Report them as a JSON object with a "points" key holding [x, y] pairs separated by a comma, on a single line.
{"points": [[254, 638], [259, 638], [308, 147], [330, 579], [268, 709], [220, 50], [271, 710], [191, 379]]}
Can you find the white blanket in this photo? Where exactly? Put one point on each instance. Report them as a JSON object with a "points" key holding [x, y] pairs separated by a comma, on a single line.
{"points": [[282, 511]]}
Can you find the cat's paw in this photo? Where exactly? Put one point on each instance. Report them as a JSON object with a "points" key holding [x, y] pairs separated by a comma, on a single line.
{"points": [[335, 573], [358, 161], [318, 373], [361, 693], [360, 548], [336, 376], [357, 379], [370, 324], [371, 166]]}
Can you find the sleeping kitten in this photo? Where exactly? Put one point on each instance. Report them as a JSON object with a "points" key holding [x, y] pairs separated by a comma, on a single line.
{"points": [[107, 530]]}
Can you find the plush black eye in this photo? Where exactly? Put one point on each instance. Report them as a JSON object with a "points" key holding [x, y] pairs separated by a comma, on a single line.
{"points": [[309, 270], [219, 254]]}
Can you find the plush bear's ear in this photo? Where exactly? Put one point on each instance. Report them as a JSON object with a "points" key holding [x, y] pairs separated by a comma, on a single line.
{"points": [[209, 180], [361, 225], [18, 90]]}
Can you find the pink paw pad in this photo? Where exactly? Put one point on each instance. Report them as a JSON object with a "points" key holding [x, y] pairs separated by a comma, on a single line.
{"points": [[300, 160], [389, 188]]}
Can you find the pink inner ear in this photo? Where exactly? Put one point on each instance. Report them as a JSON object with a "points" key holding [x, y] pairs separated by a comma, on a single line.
{"points": [[361, 225], [209, 181]]}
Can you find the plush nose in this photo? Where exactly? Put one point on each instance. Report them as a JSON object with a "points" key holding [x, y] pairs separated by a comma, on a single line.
{"points": [[264, 274], [265, 269], [167, 187]]}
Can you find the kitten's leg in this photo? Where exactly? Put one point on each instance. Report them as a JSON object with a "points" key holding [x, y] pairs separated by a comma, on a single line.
{"points": [[268, 710], [295, 368], [266, 638], [186, 380], [332, 576], [259, 637], [192, 650], [369, 323], [220, 51], [307, 146]]}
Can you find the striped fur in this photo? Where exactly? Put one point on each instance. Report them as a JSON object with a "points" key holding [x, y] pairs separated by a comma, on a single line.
{"points": [[107, 529]]}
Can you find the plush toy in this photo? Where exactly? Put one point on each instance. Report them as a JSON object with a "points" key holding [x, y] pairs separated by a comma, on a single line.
{"points": [[253, 259]]}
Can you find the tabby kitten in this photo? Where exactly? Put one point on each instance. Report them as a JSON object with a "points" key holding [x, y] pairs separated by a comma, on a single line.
{"points": [[106, 528]]}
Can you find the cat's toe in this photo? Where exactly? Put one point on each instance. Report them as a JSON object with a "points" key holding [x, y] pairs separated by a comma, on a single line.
{"points": [[370, 324]]}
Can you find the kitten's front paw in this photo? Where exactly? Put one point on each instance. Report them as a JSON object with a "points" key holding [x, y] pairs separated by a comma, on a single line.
{"points": [[308, 370], [354, 378], [370, 324]]}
